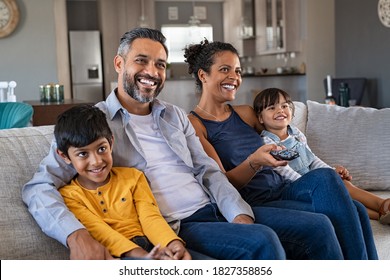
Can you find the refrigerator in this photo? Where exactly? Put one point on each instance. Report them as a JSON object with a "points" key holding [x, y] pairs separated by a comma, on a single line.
{"points": [[86, 66]]}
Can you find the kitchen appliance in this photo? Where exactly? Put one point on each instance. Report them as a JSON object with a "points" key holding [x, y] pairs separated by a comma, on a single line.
{"points": [[86, 66]]}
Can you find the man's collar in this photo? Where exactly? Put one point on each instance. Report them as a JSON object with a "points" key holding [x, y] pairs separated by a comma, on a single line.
{"points": [[113, 105]]}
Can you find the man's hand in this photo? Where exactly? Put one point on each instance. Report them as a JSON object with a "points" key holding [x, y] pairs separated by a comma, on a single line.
{"points": [[178, 251], [83, 247], [242, 219]]}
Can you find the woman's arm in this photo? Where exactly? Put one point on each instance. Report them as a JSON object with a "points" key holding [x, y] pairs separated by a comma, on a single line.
{"points": [[244, 172]]}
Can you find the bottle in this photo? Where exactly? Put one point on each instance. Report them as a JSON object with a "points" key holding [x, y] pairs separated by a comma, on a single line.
{"points": [[344, 94], [329, 96], [11, 91], [3, 92]]}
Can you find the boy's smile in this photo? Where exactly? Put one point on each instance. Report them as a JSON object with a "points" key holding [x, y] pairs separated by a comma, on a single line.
{"points": [[92, 163]]}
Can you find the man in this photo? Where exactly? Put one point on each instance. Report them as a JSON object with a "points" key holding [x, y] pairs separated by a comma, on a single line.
{"points": [[194, 196], [183, 180]]}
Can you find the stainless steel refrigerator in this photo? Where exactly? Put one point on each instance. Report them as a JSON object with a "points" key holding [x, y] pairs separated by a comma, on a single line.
{"points": [[86, 65]]}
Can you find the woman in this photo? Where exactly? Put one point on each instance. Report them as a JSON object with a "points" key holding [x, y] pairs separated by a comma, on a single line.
{"points": [[230, 135]]}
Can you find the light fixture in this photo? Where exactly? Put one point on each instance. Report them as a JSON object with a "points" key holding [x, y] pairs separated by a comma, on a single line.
{"points": [[143, 21]]}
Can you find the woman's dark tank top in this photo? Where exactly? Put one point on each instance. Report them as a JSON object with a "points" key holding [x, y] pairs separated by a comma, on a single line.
{"points": [[234, 140]]}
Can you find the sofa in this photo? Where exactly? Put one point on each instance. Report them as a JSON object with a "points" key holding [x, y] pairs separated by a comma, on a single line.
{"points": [[355, 137]]}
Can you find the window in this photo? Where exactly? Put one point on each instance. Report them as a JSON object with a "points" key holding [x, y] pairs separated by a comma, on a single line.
{"points": [[180, 35]]}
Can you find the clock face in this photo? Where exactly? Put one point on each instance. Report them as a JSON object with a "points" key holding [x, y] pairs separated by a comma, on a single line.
{"points": [[9, 17], [4, 14], [384, 12]]}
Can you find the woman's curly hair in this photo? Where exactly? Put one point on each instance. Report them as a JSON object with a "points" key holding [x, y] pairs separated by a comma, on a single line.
{"points": [[201, 56]]}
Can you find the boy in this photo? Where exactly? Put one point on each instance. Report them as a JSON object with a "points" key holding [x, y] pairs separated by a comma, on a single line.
{"points": [[115, 204]]}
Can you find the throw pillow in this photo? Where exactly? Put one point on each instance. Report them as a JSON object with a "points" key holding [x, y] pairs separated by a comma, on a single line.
{"points": [[355, 137]]}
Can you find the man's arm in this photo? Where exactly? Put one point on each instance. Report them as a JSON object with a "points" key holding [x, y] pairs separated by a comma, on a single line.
{"points": [[44, 201]]}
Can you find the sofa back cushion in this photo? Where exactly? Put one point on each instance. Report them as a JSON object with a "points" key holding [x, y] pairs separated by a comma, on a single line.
{"points": [[300, 116], [21, 151], [355, 137]]}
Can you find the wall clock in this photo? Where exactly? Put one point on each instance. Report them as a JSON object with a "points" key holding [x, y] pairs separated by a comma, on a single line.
{"points": [[9, 17], [384, 12]]}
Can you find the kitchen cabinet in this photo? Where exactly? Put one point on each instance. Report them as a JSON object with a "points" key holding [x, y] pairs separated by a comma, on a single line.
{"points": [[277, 26], [239, 25]]}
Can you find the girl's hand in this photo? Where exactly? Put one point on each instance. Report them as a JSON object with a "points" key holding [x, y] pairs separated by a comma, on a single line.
{"points": [[343, 172]]}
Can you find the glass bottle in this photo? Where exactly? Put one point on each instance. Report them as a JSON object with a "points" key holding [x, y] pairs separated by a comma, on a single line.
{"points": [[344, 94], [329, 95]]}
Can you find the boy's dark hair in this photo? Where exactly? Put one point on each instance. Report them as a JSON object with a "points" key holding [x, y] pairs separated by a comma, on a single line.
{"points": [[201, 56], [137, 33], [80, 126], [270, 96]]}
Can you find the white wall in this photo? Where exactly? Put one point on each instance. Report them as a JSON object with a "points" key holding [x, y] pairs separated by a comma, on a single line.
{"points": [[319, 45], [29, 55]]}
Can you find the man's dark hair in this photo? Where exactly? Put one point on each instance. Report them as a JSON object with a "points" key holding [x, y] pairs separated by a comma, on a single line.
{"points": [[137, 33], [80, 126]]}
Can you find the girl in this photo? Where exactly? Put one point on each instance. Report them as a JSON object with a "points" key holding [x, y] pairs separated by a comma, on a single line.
{"points": [[275, 110]]}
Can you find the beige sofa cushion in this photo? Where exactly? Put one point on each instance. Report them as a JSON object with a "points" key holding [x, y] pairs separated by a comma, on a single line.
{"points": [[300, 116], [21, 151], [351, 142]]}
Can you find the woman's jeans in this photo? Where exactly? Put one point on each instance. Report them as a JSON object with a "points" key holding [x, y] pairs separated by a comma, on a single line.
{"points": [[322, 191], [294, 234]]}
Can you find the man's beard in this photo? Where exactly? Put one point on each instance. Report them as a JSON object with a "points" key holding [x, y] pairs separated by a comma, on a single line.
{"points": [[130, 86]]}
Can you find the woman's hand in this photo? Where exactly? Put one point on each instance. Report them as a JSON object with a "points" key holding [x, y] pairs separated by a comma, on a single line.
{"points": [[262, 156]]}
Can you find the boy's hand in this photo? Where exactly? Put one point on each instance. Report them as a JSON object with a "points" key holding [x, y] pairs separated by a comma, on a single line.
{"points": [[344, 173], [139, 253]]}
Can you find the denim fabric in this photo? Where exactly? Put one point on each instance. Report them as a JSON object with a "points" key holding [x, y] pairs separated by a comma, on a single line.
{"points": [[304, 235], [207, 231], [367, 231], [306, 157], [322, 191], [143, 242]]}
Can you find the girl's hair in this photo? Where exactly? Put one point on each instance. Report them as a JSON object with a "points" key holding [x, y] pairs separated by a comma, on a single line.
{"points": [[136, 33], [270, 96], [79, 126], [201, 56]]}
